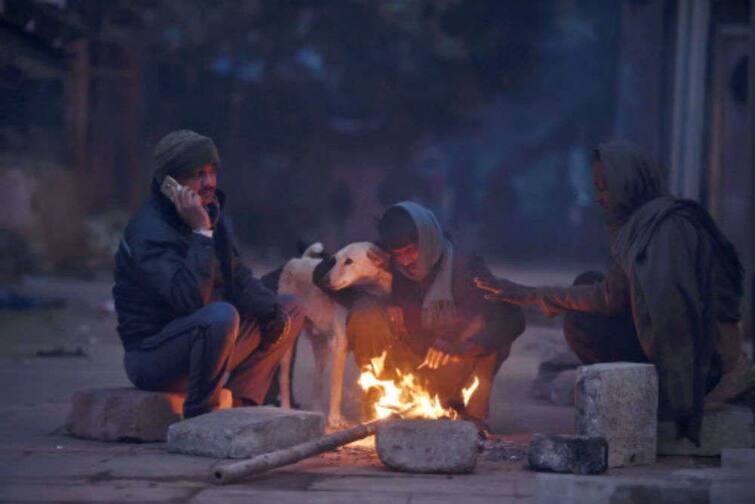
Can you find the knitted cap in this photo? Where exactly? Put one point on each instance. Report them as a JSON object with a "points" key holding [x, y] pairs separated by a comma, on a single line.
{"points": [[179, 153]]}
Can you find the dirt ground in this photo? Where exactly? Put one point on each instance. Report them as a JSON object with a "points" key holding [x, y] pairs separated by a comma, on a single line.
{"points": [[39, 463]]}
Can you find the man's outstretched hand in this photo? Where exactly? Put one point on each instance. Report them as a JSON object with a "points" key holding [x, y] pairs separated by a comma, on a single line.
{"points": [[500, 289]]}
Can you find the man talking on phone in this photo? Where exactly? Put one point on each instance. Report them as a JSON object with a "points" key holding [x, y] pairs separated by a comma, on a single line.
{"points": [[191, 315]]}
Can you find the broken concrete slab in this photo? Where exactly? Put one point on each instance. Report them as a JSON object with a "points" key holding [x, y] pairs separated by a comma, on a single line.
{"points": [[619, 402], [724, 426], [575, 454], [738, 458], [244, 432], [126, 414], [573, 489], [429, 446]]}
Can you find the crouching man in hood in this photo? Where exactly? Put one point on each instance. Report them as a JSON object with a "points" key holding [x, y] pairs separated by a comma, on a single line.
{"points": [[191, 315], [435, 323]]}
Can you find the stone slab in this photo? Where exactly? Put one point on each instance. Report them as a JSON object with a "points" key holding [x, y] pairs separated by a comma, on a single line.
{"points": [[732, 493], [619, 402], [244, 432], [726, 485], [429, 446], [575, 454], [738, 458], [723, 427], [574, 489], [126, 414]]}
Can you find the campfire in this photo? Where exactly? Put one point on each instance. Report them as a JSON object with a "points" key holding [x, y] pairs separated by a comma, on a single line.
{"points": [[405, 396]]}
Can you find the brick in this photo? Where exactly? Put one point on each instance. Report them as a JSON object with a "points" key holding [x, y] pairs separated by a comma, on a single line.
{"points": [[738, 458], [126, 414], [619, 402], [429, 446], [576, 454]]}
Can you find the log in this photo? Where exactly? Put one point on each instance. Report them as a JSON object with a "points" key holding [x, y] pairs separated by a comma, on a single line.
{"points": [[230, 473]]}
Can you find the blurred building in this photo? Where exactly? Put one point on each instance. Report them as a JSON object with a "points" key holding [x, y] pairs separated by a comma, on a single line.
{"points": [[320, 123]]}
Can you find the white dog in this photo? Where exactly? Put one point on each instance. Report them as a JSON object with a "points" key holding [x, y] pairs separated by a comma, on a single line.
{"points": [[360, 265]]}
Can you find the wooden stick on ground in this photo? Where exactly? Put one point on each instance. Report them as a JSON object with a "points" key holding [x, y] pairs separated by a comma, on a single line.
{"points": [[236, 471]]}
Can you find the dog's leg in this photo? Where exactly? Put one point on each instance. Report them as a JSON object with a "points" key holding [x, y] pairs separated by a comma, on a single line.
{"points": [[284, 379], [319, 343], [340, 348]]}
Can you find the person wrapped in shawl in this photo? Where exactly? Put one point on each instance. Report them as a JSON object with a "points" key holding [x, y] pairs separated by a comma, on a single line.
{"points": [[435, 324], [671, 295]]}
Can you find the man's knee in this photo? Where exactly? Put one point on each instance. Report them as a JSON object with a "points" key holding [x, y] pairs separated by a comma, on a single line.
{"points": [[222, 320]]}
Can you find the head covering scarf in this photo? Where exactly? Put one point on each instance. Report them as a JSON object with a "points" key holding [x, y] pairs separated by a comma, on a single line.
{"points": [[632, 179], [180, 152], [438, 306]]}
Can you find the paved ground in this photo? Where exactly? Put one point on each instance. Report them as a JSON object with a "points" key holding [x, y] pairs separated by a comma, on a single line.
{"points": [[39, 463]]}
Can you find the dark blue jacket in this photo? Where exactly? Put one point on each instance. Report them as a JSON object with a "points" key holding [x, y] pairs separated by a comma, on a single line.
{"points": [[163, 270]]}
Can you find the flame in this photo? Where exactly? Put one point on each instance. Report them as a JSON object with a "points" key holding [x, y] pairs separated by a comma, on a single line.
{"points": [[404, 396]]}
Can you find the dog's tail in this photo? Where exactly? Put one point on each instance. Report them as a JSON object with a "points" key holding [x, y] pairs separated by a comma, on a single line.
{"points": [[314, 251]]}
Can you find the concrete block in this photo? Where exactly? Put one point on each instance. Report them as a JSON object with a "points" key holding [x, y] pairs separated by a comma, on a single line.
{"points": [[738, 458], [126, 414], [429, 446], [572, 489], [726, 486], [723, 427], [732, 493], [618, 401], [577, 454], [244, 432]]}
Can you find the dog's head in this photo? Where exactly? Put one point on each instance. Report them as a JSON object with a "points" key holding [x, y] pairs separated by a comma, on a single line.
{"points": [[357, 264]]}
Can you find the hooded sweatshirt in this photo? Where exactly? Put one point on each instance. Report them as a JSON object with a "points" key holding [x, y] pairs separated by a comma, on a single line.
{"points": [[439, 300]]}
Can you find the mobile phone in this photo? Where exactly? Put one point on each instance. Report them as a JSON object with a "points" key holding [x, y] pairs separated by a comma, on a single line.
{"points": [[170, 188]]}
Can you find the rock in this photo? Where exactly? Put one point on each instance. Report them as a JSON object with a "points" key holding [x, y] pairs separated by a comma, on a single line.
{"points": [[572, 489], [561, 390], [619, 402], [429, 446], [555, 379], [126, 414], [577, 454], [244, 432], [739, 458], [723, 427]]}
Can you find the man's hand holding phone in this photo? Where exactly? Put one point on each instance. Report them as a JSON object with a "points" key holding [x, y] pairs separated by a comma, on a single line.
{"points": [[188, 204]]}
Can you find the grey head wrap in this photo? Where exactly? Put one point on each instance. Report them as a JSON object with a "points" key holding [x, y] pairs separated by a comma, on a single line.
{"points": [[180, 152], [438, 306], [632, 178]]}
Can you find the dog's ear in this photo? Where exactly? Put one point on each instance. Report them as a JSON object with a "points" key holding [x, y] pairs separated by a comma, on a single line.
{"points": [[378, 256]]}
